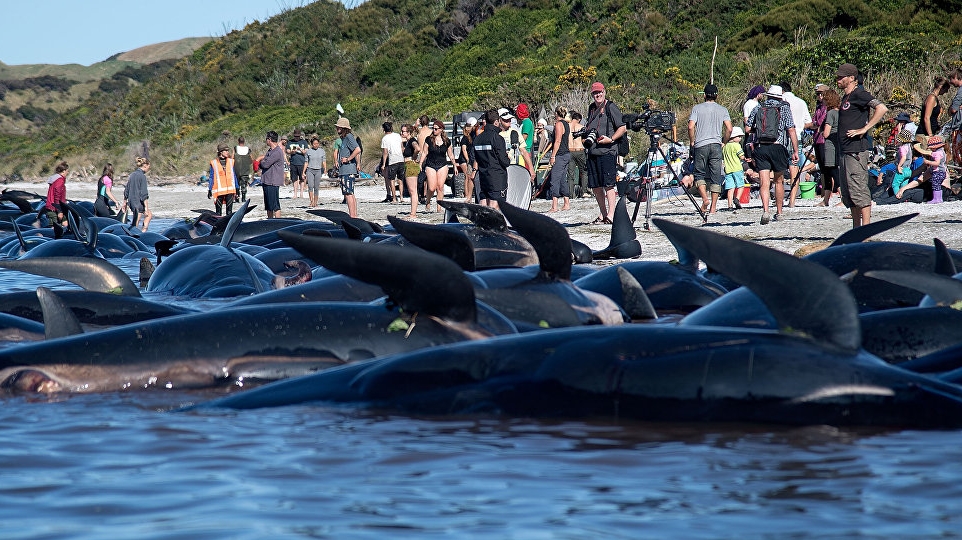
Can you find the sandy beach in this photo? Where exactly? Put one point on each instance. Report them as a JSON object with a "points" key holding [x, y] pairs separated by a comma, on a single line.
{"points": [[803, 225]]}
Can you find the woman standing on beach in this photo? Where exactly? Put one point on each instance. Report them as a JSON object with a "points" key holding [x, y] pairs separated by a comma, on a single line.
{"points": [[272, 175], [829, 129], [53, 208], [411, 167], [931, 108], [105, 193], [136, 194], [435, 155], [560, 158]]}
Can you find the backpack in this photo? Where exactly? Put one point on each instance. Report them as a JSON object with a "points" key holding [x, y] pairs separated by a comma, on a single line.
{"points": [[767, 121], [243, 164], [623, 141]]}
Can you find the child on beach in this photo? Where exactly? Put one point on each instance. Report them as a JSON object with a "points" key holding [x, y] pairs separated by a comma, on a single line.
{"points": [[734, 158]]}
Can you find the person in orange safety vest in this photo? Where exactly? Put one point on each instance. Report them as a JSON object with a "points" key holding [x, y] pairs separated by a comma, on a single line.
{"points": [[222, 184]]}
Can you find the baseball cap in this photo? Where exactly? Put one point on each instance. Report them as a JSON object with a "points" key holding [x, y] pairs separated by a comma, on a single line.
{"points": [[711, 90], [505, 114], [597, 87], [472, 121], [847, 70]]}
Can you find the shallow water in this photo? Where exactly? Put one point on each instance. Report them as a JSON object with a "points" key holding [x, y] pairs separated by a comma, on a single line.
{"points": [[122, 465]]}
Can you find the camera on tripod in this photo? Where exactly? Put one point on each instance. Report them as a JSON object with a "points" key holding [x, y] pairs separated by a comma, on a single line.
{"points": [[651, 120], [589, 136]]}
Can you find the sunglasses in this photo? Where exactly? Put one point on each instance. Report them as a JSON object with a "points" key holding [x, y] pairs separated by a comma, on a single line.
{"points": [[435, 128]]}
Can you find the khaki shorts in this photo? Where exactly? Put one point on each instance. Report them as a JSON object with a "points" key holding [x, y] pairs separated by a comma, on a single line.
{"points": [[411, 168], [855, 178]]}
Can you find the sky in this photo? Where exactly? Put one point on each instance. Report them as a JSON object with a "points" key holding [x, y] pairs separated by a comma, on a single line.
{"points": [[89, 31]]}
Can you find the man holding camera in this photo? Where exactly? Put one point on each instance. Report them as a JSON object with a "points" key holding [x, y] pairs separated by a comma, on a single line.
{"points": [[708, 127], [604, 119]]}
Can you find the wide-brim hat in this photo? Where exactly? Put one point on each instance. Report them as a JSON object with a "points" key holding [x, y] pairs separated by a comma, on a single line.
{"points": [[775, 91], [903, 117], [343, 123], [904, 136], [736, 132], [922, 148]]}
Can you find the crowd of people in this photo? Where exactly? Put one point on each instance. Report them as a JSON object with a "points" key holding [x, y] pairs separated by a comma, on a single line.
{"points": [[778, 142], [781, 141]]}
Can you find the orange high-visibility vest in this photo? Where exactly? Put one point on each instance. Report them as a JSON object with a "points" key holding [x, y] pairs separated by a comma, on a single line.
{"points": [[223, 178]]}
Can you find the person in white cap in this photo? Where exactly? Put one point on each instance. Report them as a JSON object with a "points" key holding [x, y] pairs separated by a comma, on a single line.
{"points": [[734, 158], [775, 143]]}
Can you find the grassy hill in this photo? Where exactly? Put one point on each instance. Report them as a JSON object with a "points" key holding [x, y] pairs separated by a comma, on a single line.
{"points": [[33, 95], [397, 59]]}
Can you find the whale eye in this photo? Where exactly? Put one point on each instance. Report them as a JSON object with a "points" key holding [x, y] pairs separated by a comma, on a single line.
{"points": [[31, 380]]}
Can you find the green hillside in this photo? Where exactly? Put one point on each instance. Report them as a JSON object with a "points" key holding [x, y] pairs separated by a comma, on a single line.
{"points": [[396, 59]]}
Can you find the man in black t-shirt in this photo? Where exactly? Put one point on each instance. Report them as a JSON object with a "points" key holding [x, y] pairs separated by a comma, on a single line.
{"points": [[297, 155], [858, 113], [491, 162]]}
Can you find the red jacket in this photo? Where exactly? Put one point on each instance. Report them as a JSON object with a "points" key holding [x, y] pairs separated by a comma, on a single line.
{"points": [[57, 194]]}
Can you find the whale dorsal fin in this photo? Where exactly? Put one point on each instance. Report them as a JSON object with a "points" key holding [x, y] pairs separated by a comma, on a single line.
{"points": [[804, 297], [548, 237]]}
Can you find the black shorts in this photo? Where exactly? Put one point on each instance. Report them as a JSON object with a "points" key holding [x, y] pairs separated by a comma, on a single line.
{"points": [[494, 190], [394, 172], [602, 171], [272, 198], [297, 173], [771, 157]]}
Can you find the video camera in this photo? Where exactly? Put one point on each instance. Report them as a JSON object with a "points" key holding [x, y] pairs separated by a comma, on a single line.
{"points": [[651, 120]]}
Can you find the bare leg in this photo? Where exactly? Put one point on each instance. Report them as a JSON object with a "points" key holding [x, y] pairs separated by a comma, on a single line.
{"points": [[612, 197], [352, 205], [779, 192], [412, 183]]}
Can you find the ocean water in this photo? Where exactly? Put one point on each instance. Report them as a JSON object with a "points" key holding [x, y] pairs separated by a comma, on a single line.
{"points": [[125, 465]]}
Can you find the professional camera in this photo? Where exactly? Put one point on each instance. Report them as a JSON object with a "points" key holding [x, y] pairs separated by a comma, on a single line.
{"points": [[651, 120], [589, 136]]}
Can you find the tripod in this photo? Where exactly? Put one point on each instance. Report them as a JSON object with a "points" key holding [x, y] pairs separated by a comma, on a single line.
{"points": [[654, 150]]}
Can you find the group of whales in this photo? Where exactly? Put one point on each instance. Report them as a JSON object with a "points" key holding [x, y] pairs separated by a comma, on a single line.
{"points": [[483, 318]]}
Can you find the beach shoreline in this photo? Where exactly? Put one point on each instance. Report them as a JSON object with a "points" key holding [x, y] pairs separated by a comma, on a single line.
{"points": [[804, 226]]}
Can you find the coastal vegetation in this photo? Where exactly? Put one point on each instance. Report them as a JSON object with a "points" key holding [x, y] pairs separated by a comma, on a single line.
{"points": [[397, 59]]}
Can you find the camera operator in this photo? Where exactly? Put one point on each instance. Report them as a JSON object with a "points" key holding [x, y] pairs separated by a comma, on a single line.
{"points": [[605, 118]]}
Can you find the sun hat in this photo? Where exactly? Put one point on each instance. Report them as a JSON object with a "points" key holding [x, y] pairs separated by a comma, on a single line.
{"points": [[922, 147], [935, 142], [597, 87], [903, 117], [736, 132], [774, 91], [343, 123], [904, 136]]}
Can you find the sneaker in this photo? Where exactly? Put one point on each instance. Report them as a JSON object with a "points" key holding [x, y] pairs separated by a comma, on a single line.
{"points": [[766, 217], [776, 217]]}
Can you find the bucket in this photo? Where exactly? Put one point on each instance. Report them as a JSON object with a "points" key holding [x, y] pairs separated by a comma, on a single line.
{"points": [[806, 190], [745, 196]]}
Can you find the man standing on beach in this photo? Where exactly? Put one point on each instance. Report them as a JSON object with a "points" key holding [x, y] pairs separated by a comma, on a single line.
{"points": [[491, 162], [708, 127], [272, 175], [854, 122], [774, 128]]}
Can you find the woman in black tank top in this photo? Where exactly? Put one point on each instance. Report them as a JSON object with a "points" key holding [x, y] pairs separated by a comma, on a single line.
{"points": [[931, 108], [560, 159]]}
